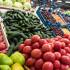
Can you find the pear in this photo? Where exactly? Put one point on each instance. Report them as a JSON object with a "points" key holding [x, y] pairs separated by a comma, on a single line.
{"points": [[17, 66], [5, 60], [17, 57], [4, 67]]}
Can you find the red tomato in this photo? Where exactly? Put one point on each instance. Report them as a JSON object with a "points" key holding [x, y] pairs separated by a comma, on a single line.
{"points": [[57, 55], [21, 47], [27, 42], [52, 45], [39, 63], [1, 38], [65, 59], [64, 67], [36, 53], [47, 66], [42, 41], [32, 68], [59, 37], [65, 40], [66, 35], [46, 48], [35, 38], [57, 64], [63, 45], [2, 46], [67, 49], [27, 49], [0, 33], [49, 56], [30, 61], [26, 56], [69, 37], [63, 52], [57, 46], [35, 45]]}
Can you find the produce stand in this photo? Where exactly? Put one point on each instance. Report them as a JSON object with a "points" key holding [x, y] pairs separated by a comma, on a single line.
{"points": [[34, 35]]}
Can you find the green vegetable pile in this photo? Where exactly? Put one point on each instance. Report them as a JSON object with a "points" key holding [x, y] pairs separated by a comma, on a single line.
{"points": [[20, 26], [67, 12]]}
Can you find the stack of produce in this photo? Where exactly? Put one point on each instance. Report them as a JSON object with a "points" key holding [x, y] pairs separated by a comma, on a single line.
{"points": [[47, 54], [2, 42], [14, 62], [67, 12], [20, 26], [20, 4]]}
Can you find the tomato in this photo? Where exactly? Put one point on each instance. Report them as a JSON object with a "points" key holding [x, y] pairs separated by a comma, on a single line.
{"points": [[57, 46], [66, 35], [65, 40], [35, 45], [39, 63], [46, 48], [69, 37], [32, 68], [63, 52], [26, 56], [27, 42], [63, 45], [36, 53], [65, 59], [35, 38], [30, 61], [49, 56], [2, 46], [42, 41], [59, 37], [64, 67], [47, 66], [27, 49], [57, 64], [21, 47], [67, 49], [0, 33], [1, 38], [57, 55]]}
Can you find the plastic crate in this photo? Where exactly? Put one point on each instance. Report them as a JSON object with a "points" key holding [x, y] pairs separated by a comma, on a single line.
{"points": [[56, 28]]}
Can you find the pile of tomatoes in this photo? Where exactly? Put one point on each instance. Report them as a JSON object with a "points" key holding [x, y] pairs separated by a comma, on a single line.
{"points": [[3, 46], [47, 54]]}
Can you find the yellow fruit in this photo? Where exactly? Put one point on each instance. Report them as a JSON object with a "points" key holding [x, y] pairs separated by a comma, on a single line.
{"points": [[66, 31], [17, 66]]}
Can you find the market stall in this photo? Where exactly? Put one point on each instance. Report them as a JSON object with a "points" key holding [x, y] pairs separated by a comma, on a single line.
{"points": [[34, 35]]}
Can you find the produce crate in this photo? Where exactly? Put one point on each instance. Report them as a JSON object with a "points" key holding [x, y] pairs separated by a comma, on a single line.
{"points": [[56, 28], [3, 31]]}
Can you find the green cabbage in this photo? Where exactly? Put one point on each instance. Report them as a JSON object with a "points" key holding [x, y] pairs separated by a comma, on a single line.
{"points": [[27, 6], [1, 2], [18, 5], [8, 3]]}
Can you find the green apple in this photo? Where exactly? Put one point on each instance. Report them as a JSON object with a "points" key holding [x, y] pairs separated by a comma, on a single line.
{"points": [[18, 58], [4, 67], [5, 60]]}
